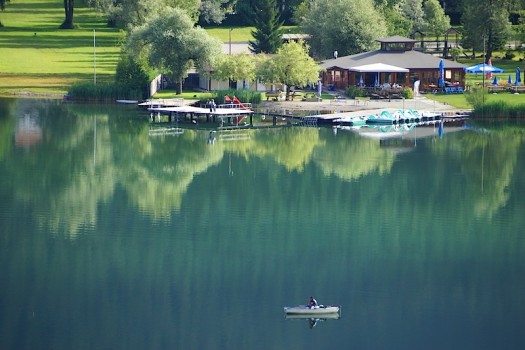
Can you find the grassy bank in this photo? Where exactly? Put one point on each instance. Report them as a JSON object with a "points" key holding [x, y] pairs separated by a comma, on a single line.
{"points": [[39, 58]]}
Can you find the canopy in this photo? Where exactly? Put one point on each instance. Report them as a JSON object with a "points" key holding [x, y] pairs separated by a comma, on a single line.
{"points": [[378, 68], [483, 68]]}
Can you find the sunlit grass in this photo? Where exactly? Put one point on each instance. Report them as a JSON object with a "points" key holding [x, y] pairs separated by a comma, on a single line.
{"points": [[39, 57]]}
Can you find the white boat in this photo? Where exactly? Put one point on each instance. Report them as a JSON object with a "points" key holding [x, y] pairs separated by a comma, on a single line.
{"points": [[331, 316], [306, 310]]}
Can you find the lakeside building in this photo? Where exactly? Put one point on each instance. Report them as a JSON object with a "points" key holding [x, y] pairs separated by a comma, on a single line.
{"points": [[395, 62]]}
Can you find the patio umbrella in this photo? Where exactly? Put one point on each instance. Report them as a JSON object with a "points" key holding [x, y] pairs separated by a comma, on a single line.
{"points": [[319, 87], [517, 81], [495, 82], [376, 80], [483, 68], [441, 81], [360, 83], [510, 80]]}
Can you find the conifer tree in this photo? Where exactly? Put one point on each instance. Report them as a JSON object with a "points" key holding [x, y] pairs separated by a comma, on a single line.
{"points": [[267, 32]]}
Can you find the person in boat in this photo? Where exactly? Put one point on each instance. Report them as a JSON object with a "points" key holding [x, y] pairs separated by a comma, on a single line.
{"points": [[312, 303]]}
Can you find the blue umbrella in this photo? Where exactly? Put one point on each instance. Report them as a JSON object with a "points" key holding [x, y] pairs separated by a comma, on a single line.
{"points": [[510, 80], [376, 80], [360, 83], [483, 68], [440, 129], [441, 81], [517, 81], [495, 82]]}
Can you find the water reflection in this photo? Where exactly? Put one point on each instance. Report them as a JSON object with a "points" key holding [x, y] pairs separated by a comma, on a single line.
{"points": [[81, 159], [313, 321], [116, 238]]}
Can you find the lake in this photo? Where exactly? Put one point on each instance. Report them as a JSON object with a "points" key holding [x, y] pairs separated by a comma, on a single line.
{"points": [[117, 236]]}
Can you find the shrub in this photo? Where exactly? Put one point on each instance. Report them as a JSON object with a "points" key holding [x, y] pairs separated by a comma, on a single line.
{"points": [[133, 76], [354, 91], [475, 96], [243, 95], [499, 110], [407, 93], [102, 92]]}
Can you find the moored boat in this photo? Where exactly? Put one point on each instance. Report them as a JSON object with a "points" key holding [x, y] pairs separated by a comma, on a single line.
{"points": [[385, 117]]}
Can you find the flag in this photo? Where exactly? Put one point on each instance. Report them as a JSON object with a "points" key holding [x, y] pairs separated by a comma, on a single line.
{"points": [[489, 74]]}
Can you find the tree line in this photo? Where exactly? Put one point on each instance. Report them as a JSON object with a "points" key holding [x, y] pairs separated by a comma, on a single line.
{"points": [[345, 26]]}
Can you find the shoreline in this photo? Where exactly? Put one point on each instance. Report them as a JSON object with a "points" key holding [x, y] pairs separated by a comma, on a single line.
{"points": [[349, 105]]}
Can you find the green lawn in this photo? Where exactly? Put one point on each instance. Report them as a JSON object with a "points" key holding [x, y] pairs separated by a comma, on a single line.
{"points": [[38, 57]]}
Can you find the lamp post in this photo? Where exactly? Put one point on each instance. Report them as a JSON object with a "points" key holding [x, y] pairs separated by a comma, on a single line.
{"points": [[94, 57], [483, 74], [230, 37]]}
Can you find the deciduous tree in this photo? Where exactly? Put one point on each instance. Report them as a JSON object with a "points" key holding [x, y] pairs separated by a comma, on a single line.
{"points": [[486, 25], [347, 26], [69, 7], [413, 11], [436, 22], [2, 7], [214, 11], [291, 66], [172, 44], [235, 67], [130, 13]]}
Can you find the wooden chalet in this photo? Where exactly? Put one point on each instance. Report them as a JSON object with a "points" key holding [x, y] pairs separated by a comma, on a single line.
{"points": [[396, 62]]}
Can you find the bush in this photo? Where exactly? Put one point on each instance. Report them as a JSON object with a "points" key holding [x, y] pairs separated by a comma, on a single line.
{"points": [[499, 110], [354, 91], [131, 83], [102, 92], [249, 96], [133, 76], [475, 96], [407, 93]]}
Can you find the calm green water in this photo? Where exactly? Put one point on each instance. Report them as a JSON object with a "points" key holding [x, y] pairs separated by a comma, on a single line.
{"points": [[111, 238]]}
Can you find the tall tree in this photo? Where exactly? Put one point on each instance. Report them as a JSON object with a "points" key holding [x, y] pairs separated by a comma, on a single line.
{"points": [[486, 25], [171, 43], [214, 11], [2, 7], [291, 66], [413, 11], [69, 7], [131, 13], [347, 26], [396, 21], [244, 9], [267, 32], [235, 67], [436, 22]]}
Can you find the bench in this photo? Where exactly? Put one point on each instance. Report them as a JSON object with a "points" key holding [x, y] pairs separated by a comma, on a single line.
{"points": [[518, 89], [274, 95], [361, 99], [295, 94], [496, 89]]}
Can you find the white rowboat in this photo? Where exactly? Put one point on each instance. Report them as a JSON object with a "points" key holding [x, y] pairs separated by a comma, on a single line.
{"points": [[306, 310]]}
